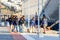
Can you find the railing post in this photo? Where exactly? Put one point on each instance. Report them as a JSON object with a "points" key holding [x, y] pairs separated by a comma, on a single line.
{"points": [[38, 16]]}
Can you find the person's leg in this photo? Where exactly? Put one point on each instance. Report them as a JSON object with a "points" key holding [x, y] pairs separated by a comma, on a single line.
{"points": [[21, 28], [36, 28], [17, 28], [12, 28], [48, 28], [31, 29], [45, 28], [41, 30]]}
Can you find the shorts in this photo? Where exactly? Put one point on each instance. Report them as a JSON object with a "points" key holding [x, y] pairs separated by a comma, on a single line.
{"points": [[45, 25]]}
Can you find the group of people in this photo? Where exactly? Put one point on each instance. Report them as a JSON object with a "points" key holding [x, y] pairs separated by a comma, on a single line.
{"points": [[19, 24], [15, 23], [43, 23]]}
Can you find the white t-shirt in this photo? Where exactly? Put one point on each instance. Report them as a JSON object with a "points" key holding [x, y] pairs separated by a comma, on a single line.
{"points": [[45, 21]]}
